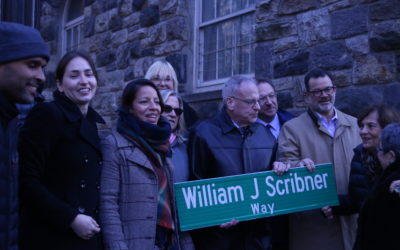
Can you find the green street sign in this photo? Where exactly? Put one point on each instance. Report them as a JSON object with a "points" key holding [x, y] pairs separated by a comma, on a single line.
{"points": [[215, 201]]}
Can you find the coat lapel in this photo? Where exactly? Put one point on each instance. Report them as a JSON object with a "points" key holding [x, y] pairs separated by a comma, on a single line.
{"points": [[132, 152], [88, 132], [88, 129]]}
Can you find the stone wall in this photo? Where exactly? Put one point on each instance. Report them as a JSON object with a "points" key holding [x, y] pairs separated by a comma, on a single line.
{"points": [[357, 40], [124, 38]]}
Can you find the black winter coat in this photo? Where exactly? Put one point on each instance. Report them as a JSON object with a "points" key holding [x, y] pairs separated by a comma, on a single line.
{"points": [[8, 175], [60, 162], [217, 149], [379, 217], [360, 184]]}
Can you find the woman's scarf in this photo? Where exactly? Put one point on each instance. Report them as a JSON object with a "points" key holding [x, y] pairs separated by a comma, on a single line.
{"points": [[153, 140], [370, 161]]}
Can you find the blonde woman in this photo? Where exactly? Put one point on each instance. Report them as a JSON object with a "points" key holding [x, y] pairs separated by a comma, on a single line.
{"points": [[163, 75], [173, 110]]}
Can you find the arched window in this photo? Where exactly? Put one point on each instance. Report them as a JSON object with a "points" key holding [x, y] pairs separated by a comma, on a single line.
{"points": [[73, 25]]}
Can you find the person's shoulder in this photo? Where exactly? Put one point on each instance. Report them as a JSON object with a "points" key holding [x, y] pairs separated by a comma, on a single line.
{"points": [[206, 125], [115, 138], [346, 118], [47, 110], [284, 115], [298, 120]]}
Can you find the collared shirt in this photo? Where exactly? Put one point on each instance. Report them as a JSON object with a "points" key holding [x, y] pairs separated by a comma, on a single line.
{"points": [[329, 125], [241, 129], [274, 125]]}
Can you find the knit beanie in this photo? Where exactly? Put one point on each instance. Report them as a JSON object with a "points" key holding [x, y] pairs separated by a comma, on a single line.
{"points": [[18, 42]]}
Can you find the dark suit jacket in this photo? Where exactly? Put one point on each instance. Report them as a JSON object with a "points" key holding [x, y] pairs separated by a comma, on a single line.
{"points": [[60, 162]]}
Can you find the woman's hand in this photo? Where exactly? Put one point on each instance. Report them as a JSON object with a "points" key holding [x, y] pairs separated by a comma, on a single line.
{"points": [[229, 224], [85, 226]]}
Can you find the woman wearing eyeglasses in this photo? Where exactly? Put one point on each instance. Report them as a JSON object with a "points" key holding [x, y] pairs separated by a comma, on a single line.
{"points": [[163, 75], [379, 216], [173, 110], [365, 167]]}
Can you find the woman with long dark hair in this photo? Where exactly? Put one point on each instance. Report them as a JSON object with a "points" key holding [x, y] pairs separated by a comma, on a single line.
{"points": [[60, 160]]}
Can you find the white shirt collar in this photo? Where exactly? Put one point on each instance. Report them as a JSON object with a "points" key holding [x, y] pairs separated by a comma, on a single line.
{"points": [[275, 125]]}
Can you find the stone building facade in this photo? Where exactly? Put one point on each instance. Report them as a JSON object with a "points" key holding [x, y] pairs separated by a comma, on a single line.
{"points": [[358, 41]]}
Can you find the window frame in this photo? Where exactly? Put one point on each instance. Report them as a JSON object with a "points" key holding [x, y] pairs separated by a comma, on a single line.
{"points": [[70, 26], [198, 84]]}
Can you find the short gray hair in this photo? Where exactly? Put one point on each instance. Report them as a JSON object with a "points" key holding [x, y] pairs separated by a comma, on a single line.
{"points": [[390, 139], [232, 85]]}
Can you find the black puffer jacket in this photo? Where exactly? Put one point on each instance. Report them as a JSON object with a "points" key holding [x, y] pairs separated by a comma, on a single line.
{"points": [[8, 176], [379, 216], [360, 182]]}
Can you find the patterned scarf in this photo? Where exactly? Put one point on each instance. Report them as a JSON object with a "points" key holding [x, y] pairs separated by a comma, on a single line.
{"points": [[370, 161], [153, 141]]}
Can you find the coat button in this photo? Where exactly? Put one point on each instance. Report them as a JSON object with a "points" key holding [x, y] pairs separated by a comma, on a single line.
{"points": [[98, 186], [81, 209], [85, 159], [83, 185], [100, 163]]}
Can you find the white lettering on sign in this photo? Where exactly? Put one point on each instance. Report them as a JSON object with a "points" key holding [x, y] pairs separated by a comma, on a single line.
{"points": [[209, 195], [295, 184]]}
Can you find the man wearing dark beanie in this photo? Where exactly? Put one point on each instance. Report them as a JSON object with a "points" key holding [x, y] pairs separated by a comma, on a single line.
{"points": [[23, 54]]}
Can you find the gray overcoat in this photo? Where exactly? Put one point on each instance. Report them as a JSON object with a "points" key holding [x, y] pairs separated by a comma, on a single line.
{"points": [[128, 197]]}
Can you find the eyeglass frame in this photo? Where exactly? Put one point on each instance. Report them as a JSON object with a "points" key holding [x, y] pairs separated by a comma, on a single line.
{"points": [[168, 109], [318, 92], [250, 103]]}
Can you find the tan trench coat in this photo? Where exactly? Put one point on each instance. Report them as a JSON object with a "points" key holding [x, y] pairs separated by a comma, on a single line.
{"points": [[304, 137]]}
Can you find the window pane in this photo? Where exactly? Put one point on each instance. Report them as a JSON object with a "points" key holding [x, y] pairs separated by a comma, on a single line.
{"points": [[75, 9], [245, 3], [75, 37], [227, 46], [225, 60], [208, 9], [68, 38], [224, 7], [244, 44], [226, 43], [209, 53]]}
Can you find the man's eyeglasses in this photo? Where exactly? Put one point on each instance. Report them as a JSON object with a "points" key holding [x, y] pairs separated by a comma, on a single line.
{"points": [[168, 109], [318, 92], [263, 99], [250, 102]]}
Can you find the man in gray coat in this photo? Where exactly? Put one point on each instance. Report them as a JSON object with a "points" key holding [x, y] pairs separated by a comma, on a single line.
{"points": [[233, 143], [23, 54]]}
